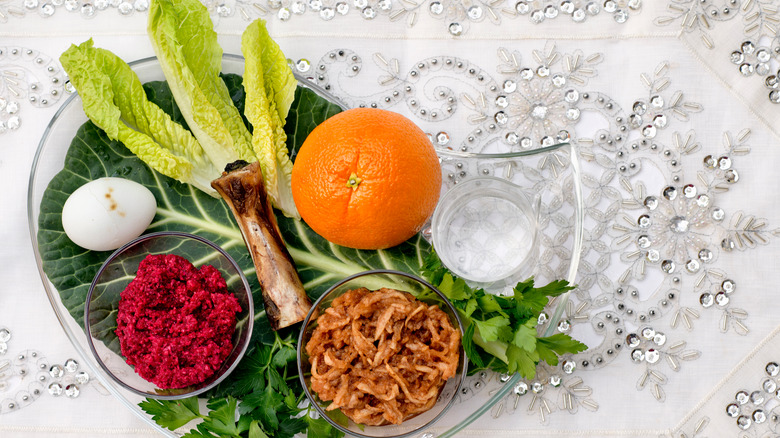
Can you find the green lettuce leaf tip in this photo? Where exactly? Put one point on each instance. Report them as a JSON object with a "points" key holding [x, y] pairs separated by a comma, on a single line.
{"points": [[270, 90], [183, 37], [114, 99]]}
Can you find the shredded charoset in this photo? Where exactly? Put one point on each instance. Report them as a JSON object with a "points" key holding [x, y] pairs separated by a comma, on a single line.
{"points": [[382, 356]]}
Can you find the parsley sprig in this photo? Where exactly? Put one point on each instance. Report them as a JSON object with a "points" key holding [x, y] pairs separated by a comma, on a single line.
{"points": [[500, 332], [264, 390]]}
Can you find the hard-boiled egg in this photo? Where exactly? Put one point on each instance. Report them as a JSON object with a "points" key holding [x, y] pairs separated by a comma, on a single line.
{"points": [[106, 213]]}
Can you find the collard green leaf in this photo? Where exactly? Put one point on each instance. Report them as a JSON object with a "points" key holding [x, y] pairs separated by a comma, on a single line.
{"points": [[183, 208]]}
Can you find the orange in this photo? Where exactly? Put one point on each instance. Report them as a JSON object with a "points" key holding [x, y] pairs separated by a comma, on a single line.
{"points": [[366, 178]]}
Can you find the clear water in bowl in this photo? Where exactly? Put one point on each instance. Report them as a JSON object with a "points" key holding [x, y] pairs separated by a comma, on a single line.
{"points": [[484, 230]]}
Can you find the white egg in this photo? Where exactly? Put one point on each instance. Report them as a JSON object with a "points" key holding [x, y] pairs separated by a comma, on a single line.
{"points": [[106, 213]]}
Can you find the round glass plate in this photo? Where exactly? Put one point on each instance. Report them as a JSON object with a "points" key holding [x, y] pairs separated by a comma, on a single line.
{"points": [[560, 216]]}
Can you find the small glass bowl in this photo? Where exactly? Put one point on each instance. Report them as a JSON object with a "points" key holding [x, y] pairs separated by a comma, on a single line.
{"points": [[484, 230], [374, 280], [117, 272]]}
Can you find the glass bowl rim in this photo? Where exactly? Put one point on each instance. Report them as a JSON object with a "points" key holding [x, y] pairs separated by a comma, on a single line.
{"points": [[117, 253], [299, 348]]}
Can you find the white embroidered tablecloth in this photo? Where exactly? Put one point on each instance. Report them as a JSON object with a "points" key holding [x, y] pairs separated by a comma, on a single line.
{"points": [[673, 107]]}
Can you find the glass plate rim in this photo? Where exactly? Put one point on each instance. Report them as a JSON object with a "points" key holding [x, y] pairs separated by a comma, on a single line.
{"points": [[304, 82]]}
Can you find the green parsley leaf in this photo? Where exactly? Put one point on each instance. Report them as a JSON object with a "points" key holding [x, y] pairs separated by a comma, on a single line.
{"points": [[265, 404], [522, 361], [255, 431], [320, 428], [562, 344], [454, 288], [290, 426], [284, 356], [489, 329], [222, 417], [171, 414], [525, 337]]}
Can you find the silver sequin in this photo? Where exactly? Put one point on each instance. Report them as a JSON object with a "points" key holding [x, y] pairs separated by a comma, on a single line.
{"points": [[521, 388], [772, 369], [56, 371], [651, 202], [652, 355], [71, 365], [55, 389], [72, 390], [5, 334]]}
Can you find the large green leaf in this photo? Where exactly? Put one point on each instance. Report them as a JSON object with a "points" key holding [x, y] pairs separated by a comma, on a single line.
{"points": [[181, 207]]}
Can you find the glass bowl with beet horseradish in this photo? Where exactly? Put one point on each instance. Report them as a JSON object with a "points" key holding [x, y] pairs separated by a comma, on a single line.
{"points": [[169, 315], [380, 355]]}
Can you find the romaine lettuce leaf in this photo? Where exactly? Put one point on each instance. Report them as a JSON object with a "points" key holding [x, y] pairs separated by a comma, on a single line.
{"points": [[114, 99], [270, 90], [183, 37]]}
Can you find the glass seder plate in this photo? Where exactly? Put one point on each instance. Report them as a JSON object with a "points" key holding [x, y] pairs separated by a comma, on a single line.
{"points": [[560, 219]]}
